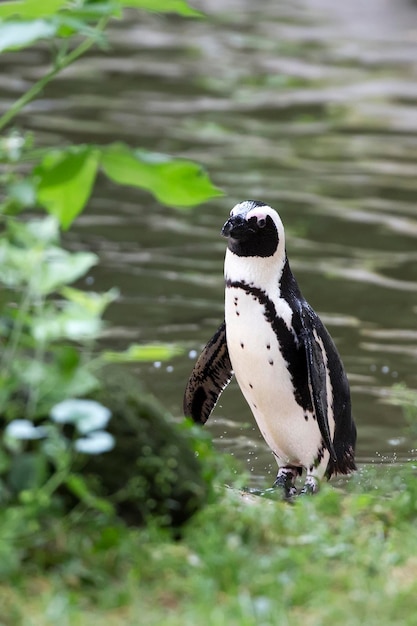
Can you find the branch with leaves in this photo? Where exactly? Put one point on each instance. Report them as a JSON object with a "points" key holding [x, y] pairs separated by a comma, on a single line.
{"points": [[48, 329]]}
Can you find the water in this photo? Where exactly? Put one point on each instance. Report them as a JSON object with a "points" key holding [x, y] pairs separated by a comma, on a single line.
{"points": [[309, 106]]}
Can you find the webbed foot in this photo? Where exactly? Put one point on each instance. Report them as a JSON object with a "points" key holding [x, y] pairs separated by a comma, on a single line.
{"points": [[311, 485], [285, 480]]}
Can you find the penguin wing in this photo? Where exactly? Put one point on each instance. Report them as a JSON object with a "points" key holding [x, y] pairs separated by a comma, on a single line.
{"points": [[211, 374], [316, 373]]}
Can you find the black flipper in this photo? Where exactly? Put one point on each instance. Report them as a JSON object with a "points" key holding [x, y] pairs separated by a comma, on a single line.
{"points": [[211, 374], [316, 372]]}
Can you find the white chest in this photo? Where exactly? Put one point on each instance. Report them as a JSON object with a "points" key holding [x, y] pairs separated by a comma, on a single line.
{"points": [[264, 379]]}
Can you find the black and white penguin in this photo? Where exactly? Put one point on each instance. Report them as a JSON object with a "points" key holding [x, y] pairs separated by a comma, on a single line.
{"points": [[284, 360]]}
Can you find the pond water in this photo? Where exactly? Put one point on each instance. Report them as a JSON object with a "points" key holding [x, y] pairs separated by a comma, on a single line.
{"points": [[309, 106]]}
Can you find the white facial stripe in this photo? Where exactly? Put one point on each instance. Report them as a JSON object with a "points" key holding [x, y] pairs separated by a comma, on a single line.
{"points": [[258, 212], [247, 210], [242, 208]]}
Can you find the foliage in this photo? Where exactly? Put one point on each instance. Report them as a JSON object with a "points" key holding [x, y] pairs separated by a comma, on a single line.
{"points": [[338, 557], [66, 177], [50, 364], [154, 472]]}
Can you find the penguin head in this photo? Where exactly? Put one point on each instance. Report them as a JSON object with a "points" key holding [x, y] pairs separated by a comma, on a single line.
{"points": [[254, 229]]}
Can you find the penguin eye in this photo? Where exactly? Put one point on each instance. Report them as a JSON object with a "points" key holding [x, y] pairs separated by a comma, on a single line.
{"points": [[231, 213], [262, 222]]}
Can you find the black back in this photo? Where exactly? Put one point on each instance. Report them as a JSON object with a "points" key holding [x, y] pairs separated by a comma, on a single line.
{"points": [[344, 439]]}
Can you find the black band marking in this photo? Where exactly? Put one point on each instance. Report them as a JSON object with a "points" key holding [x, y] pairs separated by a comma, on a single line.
{"points": [[290, 347]]}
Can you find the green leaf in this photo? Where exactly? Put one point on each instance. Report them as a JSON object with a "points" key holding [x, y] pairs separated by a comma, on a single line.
{"points": [[51, 383], [28, 471], [32, 234], [93, 303], [43, 270], [60, 267], [83, 21], [66, 181], [72, 324], [22, 194], [78, 320], [148, 352], [14, 267], [31, 8], [16, 35], [45, 230], [79, 487], [176, 183], [67, 358], [180, 7]]}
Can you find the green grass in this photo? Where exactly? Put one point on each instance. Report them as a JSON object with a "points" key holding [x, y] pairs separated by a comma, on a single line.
{"points": [[337, 558]]}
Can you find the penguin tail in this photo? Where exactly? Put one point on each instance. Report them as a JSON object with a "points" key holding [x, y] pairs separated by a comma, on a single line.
{"points": [[344, 442], [344, 463]]}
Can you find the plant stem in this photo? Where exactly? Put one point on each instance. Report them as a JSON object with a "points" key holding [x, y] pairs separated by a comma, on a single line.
{"points": [[16, 332], [55, 481], [64, 62], [39, 356]]}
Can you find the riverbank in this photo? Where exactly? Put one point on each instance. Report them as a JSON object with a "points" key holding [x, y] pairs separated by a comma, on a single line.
{"points": [[339, 557]]}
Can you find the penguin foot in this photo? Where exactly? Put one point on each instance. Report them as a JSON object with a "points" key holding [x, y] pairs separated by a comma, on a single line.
{"points": [[311, 485], [285, 480]]}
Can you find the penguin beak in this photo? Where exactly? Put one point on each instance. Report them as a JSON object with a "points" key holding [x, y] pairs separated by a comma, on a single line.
{"points": [[236, 227]]}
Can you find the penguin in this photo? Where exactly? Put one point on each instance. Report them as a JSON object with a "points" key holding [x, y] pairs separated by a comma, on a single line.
{"points": [[282, 356]]}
